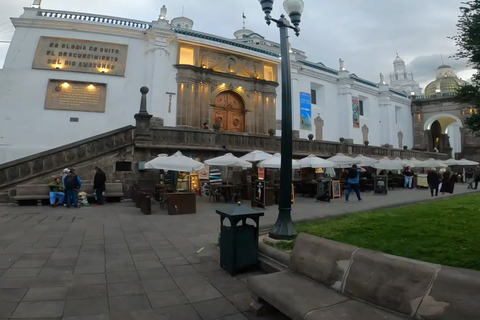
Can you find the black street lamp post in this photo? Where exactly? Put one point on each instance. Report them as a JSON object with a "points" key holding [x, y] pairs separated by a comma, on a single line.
{"points": [[284, 228]]}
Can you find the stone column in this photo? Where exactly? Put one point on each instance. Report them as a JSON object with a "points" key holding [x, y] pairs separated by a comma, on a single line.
{"points": [[319, 123], [345, 111], [427, 134], [142, 120], [387, 114]]}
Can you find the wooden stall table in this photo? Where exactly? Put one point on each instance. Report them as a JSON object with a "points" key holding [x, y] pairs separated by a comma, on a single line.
{"points": [[181, 203], [229, 191]]}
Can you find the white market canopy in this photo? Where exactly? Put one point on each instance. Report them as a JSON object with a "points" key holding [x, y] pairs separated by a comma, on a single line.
{"points": [[366, 161], [313, 161], [343, 161], [256, 156], [416, 163], [465, 162], [404, 163], [228, 160], [432, 163], [176, 162], [451, 162], [274, 162], [387, 164]]}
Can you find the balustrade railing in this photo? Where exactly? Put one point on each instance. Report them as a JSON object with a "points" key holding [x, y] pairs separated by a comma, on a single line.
{"points": [[241, 142], [94, 18]]}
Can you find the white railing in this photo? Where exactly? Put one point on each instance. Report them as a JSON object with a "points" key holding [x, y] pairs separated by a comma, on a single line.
{"points": [[94, 18]]}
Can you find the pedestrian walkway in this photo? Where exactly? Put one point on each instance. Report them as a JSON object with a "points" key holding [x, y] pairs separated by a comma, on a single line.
{"points": [[112, 262]]}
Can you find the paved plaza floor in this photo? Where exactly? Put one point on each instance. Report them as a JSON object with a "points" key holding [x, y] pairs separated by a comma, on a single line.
{"points": [[112, 262]]}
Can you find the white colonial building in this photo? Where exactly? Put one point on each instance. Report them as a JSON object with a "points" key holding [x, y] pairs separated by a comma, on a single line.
{"points": [[70, 75]]}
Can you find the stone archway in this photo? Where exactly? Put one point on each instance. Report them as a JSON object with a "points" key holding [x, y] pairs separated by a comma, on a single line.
{"points": [[444, 133], [229, 111]]}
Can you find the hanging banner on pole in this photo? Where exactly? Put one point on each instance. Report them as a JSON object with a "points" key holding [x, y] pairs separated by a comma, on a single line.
{"points": [[356, 112], [305, 111]]}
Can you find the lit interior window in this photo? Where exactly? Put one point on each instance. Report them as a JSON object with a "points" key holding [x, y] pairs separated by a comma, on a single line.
{"points": [[187, 56], [268, 73]]}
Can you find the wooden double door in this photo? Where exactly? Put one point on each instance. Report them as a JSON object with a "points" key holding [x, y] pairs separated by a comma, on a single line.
{"points": [[229, 112]]}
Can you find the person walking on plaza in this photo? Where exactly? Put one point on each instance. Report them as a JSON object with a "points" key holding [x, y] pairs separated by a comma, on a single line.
{"points": [[477, 176], [354, 181], [56, 190], [433, 181], [72, 184], [408, 173], [470, 178], [448, 182], [99, 184]]}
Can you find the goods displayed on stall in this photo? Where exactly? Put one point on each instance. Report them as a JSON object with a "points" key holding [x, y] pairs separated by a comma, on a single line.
{"points": [[178, 202], [215, 177]]}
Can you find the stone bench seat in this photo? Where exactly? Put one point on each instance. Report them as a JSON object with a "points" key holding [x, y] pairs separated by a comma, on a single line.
{"points": [[299, 297], [39, 193]]}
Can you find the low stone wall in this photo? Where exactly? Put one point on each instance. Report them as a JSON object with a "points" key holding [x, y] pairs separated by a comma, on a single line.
{"points": [[414, 288]]}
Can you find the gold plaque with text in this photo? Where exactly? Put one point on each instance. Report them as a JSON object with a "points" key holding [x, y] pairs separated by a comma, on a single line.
{"points": [[80, 56], [76, 96]]}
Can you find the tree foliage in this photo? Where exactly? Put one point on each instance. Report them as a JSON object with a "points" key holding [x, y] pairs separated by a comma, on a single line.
{"points": [[468, 43]]}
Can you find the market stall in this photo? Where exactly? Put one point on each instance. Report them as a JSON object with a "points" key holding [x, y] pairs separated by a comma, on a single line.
{"points": [[183, 200]]}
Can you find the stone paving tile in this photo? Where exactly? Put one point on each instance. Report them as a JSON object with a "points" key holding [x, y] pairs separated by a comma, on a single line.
{"points": [[175, 262], [88, 291], [196, 293], [129, 303], [39, 309], [166, 299], [94, 317], [164, 284], [125, 288], [181, 271], [21, 273], [150, 274], [235, 317], [148, 264], [29, 263], [214, 309], [12, 294], [46, 294], [123, 276], [61, 263], [86, 279], [7, 308], [85, 307], [89, 269]]}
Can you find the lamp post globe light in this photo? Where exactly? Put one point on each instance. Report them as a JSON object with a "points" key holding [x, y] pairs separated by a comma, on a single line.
{"points": [[284, 229]]}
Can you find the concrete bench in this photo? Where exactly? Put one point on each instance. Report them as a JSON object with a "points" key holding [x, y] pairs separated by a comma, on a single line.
{"points": [[39, 193], [328, 279], [32, 194], [312, 287]]}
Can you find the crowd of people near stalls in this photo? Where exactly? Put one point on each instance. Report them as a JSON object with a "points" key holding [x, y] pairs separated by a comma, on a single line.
{"points": [[442, 181], [65, 190]]}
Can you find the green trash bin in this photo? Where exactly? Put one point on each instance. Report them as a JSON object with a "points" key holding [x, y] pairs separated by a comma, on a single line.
{"points": [[239, 240]]}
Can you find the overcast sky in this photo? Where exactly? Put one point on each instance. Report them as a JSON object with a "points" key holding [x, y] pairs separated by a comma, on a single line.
{"points": [[364, 33]]}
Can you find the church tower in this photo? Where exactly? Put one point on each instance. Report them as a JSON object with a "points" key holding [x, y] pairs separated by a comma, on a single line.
{"points": [[402, 80]]}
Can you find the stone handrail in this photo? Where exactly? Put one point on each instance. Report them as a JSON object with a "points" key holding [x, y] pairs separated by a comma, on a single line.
{"points": [[54, 160], [94, 18], [200, 139]]}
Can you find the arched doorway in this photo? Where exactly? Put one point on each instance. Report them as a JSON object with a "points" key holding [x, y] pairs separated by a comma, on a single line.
{"points": [[436, 130], [445, 130], [229, 111]]}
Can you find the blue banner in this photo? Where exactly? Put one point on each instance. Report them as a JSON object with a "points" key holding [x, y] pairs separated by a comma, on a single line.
{"points": [[305, 111]]}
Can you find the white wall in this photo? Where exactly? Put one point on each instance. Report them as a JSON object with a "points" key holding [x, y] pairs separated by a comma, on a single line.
{"points": [[26, 125]]}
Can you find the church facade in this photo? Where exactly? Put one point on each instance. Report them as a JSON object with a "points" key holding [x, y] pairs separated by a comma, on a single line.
{"points": [[70, 75]]}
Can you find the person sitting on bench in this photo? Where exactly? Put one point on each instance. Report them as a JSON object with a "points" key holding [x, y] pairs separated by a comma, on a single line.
{"points": [[56, 190]]}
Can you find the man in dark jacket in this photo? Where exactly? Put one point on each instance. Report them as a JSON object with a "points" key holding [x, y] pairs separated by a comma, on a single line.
{"points": [[433, 181], [477, 176], [99, 184], [72, 184]]}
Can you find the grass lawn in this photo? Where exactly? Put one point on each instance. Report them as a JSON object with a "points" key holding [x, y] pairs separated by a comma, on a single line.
{"points": [[445, 232]]}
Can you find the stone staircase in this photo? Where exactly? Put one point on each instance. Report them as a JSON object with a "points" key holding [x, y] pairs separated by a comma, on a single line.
{"points": [[102, 150]]}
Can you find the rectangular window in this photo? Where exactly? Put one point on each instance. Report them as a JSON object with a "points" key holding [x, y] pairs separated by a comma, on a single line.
{"points": [[313, 94], [360, 102], [187, 56], [268, 73], [123, 166]]}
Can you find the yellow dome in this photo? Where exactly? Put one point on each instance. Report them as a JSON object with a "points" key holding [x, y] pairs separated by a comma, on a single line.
{"points": [[446, 84]]}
